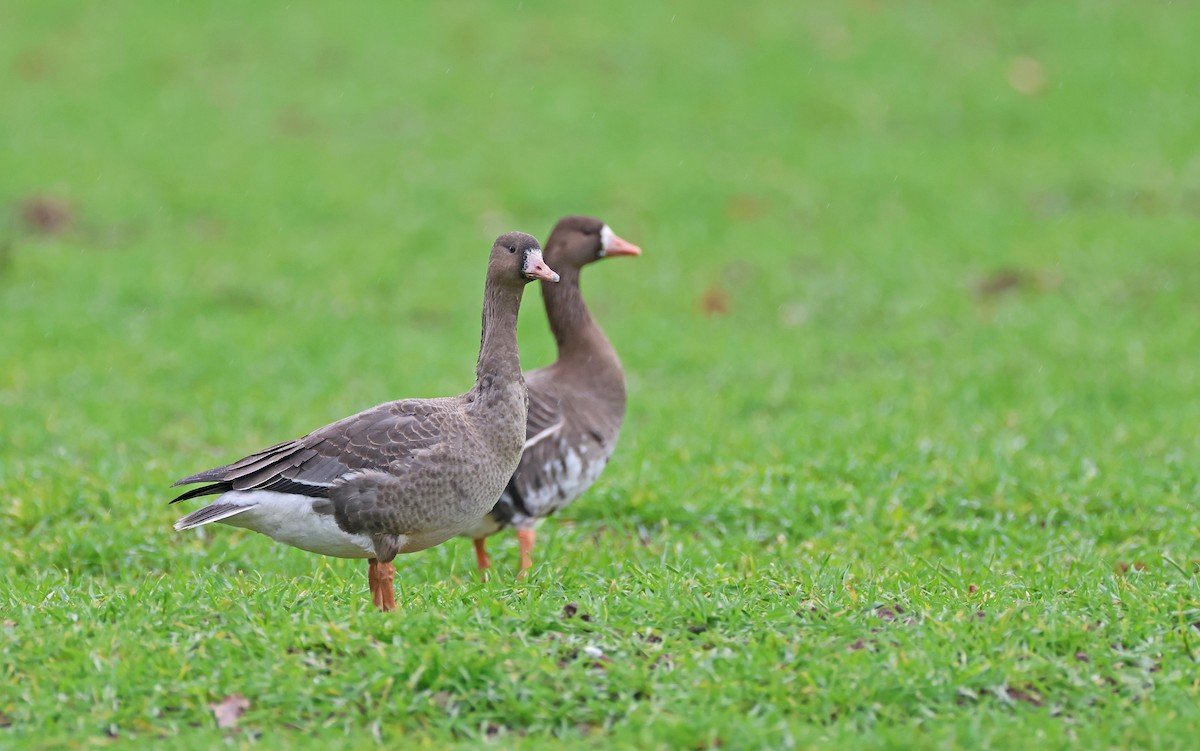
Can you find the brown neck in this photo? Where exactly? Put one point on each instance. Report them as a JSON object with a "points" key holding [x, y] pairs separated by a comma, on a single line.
{"points": [[576, 333], [499, 362]]}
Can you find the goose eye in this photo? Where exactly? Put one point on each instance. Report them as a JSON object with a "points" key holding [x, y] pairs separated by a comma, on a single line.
{"points": [[511, 249]]}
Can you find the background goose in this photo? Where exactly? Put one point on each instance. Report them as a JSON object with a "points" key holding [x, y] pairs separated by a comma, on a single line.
{"points": [[402, 476], [576, 405]]}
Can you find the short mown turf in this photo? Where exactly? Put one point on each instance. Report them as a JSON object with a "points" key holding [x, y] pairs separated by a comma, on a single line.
{"points": [[913, 441]]}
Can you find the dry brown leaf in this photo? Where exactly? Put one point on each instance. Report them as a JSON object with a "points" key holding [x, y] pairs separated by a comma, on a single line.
{"points": [[229, 710]]}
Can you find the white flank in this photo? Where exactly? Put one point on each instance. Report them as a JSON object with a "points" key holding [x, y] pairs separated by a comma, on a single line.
{"points": [[566, 481], [290, 519]]}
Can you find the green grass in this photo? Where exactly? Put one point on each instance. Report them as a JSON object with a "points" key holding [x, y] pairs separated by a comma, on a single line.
{"points": [[912, 451]]}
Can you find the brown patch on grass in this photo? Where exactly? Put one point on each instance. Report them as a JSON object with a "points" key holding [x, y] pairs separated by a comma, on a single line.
{"points": [[1002, 281], [714, 301], [34, 65], [1005, 281], [295, 121], [1026, 76], [743, 207], [45, 215], [1123, 567]]}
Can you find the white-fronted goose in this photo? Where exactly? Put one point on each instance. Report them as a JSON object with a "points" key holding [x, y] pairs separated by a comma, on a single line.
{"points": [[576, 405], [402, 476]]}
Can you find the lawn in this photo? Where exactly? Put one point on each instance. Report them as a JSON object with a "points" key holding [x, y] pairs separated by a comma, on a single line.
{"points": [[913, 446]]}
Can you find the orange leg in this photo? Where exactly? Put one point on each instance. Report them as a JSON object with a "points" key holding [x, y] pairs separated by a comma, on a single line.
{"points": [[373, 581], [481, 557], [387, 573], [525, 538]]}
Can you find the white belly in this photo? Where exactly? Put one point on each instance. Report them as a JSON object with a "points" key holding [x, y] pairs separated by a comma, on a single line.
{"points": [[290, 519]]}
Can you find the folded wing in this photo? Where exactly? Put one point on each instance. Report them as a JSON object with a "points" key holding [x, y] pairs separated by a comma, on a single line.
{"points": [[380, 438]]}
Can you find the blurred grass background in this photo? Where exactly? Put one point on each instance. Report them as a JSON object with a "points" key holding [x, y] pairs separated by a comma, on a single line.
{"points": [[916, 327]]}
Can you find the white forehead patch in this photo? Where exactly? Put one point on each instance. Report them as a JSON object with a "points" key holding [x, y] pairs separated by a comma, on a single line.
{"points": [[606, 238]]}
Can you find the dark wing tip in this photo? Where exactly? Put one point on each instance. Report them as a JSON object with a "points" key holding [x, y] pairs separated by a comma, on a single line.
{"points": [[217, 487]]}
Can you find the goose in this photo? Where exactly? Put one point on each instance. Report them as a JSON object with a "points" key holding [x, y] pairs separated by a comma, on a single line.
{"points": [[576, 404], [402, 476]]}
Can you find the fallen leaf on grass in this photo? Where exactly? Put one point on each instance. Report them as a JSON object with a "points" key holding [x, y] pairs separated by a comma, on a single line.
{"points": [[889, 612], [1027, 695], [229, 710]]}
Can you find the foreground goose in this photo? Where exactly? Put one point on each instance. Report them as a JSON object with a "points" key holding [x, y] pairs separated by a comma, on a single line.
{"points": [[576, 405], [402, 476]]}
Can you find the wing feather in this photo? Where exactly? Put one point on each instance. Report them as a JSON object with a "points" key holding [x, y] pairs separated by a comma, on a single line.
{"points": [[382, 438]]}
